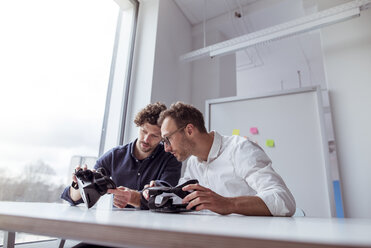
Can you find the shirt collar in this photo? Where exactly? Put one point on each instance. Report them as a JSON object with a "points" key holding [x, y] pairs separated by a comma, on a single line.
{"points": [[215, 148], [132, 145]]}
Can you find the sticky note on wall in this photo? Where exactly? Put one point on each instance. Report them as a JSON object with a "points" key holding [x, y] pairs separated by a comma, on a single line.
{"points": [[236, 132], [254, 130], [269, 143]]}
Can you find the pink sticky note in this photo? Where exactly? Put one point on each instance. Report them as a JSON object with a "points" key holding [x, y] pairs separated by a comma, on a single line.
{"points": [[254, 130]]}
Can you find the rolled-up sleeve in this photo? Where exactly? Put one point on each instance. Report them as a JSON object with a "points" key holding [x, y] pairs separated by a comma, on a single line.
{"points": [[256, 167]]}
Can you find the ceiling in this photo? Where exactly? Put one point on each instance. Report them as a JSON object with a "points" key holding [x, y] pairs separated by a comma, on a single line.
{"points": [[197, 10]]}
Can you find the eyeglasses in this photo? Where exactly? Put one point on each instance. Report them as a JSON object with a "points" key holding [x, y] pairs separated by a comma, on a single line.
{"points": [[166, 139]]}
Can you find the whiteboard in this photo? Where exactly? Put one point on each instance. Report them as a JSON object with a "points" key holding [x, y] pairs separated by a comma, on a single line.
{"points": [[294, 121]]}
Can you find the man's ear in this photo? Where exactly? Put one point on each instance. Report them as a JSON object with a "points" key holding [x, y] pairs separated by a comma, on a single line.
{"points": [[189, 129]]}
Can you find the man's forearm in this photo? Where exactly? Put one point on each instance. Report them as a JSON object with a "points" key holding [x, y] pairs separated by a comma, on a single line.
{"points": [[248, 205], [135, 198]]}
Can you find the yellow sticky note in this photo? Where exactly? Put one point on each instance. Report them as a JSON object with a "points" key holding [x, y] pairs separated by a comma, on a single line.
{"points": [[236, 132], [269, 143]]}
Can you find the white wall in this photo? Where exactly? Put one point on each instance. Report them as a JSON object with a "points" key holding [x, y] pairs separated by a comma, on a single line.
{"points": [[157, 73], [211, 77], [171, 78], [347, 56], [182, 81], [293, 62], [288, 63]]}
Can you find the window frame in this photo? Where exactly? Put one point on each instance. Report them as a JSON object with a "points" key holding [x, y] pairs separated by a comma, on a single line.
{"points": [[127, 82], [9, 237]]}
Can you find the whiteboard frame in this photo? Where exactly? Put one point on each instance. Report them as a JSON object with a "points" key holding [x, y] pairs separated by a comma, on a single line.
{"points": [[324, 136]]}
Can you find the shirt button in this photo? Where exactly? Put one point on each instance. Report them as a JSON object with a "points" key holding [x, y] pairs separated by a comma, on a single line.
{"points": [[138, 174]]}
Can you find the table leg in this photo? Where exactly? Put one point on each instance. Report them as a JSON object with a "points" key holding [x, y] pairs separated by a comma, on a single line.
{"points": [[9, 239], [61, 243]]}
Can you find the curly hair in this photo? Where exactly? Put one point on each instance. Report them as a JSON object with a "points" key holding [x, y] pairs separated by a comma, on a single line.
{"points": [[149, 114], [184, 114]]}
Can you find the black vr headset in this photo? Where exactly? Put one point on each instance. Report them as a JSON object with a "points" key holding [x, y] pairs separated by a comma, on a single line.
{"points": [[164, 198], [168, 199], [92, 185]]}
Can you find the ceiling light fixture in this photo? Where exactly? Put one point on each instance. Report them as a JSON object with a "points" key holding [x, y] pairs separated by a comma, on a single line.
{"points": [[308, 23]]}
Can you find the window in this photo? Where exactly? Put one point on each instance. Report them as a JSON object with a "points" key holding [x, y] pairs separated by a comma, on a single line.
{"points": [[64, 65]]}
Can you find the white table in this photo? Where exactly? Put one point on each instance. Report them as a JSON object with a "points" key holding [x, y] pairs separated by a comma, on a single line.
{"points": [[148, 229]]}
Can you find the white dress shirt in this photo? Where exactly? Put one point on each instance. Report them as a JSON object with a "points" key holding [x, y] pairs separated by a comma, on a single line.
{"points": [[238, 167]]}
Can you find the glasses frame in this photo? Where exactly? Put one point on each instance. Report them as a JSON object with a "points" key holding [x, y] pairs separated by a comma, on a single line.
{"points": [[166, 139]]}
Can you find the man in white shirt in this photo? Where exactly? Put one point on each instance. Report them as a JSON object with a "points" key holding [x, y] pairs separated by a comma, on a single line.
{"points": [[234, 174]]}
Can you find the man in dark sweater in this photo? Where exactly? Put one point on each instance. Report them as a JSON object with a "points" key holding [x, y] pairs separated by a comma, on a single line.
{"points": [[134, 165]]}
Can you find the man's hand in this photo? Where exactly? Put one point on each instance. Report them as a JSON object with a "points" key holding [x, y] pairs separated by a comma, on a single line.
{"points": [[145, 192], [122, 196], [75, 193], [204, 198]]}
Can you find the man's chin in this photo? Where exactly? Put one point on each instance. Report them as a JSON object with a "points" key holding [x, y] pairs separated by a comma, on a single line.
{"points": [[180, 158], [147, 149]]}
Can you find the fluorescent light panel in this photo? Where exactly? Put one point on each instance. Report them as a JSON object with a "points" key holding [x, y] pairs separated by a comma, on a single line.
{"points": [[311, 22], [271, 33]]}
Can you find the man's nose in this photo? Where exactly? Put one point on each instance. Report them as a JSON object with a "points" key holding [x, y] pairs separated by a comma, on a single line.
{"points": [[146, 138], [167, 147]]}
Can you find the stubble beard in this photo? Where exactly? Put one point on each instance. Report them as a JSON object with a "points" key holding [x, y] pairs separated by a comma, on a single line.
{"points": [[186, 151], [146, 150]]}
